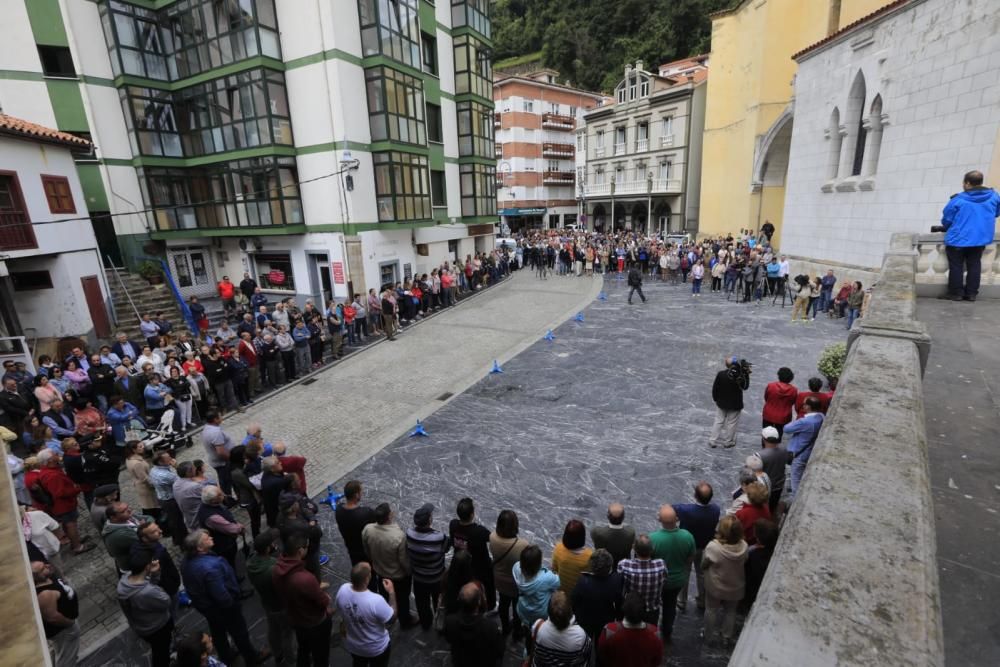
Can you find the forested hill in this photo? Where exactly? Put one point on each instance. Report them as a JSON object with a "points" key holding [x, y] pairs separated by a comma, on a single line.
{"points": [[591, 41]]}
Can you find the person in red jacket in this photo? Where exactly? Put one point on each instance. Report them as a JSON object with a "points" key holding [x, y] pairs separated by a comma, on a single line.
{"points": [[779, 399], [824, 398], [227, 292], [630, 642], [63, 492], [305, 600]]}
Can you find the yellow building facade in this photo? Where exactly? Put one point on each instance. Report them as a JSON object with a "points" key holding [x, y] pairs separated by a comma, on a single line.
{"points": [[749, 113]]}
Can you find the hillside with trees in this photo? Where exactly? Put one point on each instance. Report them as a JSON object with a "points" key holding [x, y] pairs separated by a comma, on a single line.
{"points": [[590, 41]]}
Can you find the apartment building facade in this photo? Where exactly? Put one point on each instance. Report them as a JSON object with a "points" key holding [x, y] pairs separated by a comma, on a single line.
{"points": [[535, 121], [641, 156], [320, 146]]}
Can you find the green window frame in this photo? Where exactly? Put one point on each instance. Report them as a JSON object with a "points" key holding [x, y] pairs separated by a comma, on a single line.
{"points": [[259, 192], [472, 13], [395, 106], [478, 184], [402, 186], [243, 110], [475, 130], [473, 69], [188, 37], [390, 28]]}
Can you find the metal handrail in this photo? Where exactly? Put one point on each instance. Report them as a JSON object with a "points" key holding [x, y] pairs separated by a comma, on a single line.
{"points": [[125, 289], [176, 292]]}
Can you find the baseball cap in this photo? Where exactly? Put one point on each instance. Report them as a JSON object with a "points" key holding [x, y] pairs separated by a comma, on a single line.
{"points": [[423, 515], [770, 433]]}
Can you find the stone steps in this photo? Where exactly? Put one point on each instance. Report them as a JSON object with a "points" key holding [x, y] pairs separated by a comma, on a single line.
{"points": [[146, 298]]}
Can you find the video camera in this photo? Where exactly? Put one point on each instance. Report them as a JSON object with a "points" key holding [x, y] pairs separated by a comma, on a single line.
{"points": [[938, 228], [739, 369]]}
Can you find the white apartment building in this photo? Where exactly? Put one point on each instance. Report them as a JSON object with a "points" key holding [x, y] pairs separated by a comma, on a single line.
{"points": [[642, 154], [320, 146], [51, 280], [535, 122]]}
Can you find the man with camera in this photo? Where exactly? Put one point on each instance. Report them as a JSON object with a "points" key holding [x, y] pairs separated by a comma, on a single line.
{"points": [[969, 223], [727, 392]]}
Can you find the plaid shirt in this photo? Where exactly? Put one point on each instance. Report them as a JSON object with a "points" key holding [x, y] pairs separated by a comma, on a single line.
{"points": [[645, 577]]}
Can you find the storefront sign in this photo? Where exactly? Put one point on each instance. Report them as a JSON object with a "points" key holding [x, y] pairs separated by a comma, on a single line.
{"points": [[276, 277], [338, 273], [482, 230], [521, 211]]}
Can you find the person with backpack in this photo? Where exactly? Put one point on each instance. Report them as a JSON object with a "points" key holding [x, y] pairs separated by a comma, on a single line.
{"points": [[635, 283], [55, 493]]}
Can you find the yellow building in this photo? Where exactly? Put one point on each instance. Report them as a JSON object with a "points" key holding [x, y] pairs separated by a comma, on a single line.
{"points": [[749, 114]]}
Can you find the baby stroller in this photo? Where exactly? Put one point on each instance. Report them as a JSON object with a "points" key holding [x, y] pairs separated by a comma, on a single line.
{"points": [[162, 437]]}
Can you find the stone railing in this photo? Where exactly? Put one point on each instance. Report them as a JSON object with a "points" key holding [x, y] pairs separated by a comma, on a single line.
{"points": [[932, 263], [854, 579]]}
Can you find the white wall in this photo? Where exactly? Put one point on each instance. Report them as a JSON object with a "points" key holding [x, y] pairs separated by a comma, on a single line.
{"points": [[61, 310], [937, 68]]}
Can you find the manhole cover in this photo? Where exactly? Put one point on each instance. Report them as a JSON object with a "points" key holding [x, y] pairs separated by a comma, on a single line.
{"points": [[445, 396], [309, 381]]}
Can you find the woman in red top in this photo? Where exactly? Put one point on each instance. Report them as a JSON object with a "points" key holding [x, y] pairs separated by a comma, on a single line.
{"points": [[755, 508], [779, 399]]}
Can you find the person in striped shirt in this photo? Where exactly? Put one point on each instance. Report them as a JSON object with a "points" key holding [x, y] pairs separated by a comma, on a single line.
{"points": [[426, 548], [644, 575], [558, 640]]}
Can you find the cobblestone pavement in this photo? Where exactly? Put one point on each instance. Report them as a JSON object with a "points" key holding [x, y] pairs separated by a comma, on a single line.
{"points": [[617, 407], [352, 409]]}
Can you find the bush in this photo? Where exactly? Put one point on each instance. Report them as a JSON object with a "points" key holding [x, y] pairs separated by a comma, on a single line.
{"points": [[831, 362], [150, 270]]}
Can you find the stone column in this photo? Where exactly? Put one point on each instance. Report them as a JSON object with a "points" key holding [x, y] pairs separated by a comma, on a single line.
{"points": [[848, 137], [873, 144]]}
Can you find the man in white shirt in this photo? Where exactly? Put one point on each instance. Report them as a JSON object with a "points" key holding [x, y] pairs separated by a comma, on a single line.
{"points": [[367, 617]]}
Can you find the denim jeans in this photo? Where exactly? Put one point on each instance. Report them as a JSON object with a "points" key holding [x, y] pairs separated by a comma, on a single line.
{"points": [[966, 260], [798, 470], [852, 314], [825, 300]]}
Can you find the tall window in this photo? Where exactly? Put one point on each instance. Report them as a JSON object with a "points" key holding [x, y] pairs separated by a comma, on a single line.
{"points": [[473, 71], [434, 129], [395, 106], [188, 37], [478, 184], [667, 127], [402, 187], [430, 51], [16, 232], [439, 189], [242, 193], [243, 110], [390, 28], [473, 13], [58, 194], [475, 130], [599, 139]]}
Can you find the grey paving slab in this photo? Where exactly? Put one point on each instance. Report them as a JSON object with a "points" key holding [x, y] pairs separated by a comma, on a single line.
{"points": [[617, 407], [961, 388]]}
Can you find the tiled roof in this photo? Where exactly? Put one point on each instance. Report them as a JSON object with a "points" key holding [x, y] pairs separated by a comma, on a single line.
{"points": [[17, 127], [892, 6]]}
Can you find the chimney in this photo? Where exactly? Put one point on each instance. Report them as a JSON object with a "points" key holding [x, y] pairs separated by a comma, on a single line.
{"points": [[638, 65]]}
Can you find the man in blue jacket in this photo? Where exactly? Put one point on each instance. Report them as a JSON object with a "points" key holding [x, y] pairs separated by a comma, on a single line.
{"points": [[214, 591], [969, 223], [803, 432], [700, 519]]}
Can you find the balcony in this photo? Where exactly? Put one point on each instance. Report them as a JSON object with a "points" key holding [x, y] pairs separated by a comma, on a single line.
{"points": [[620, 148], [599, 151], [660, 186], [558, 150], [667, 140], [498, 150], [558, 178], [16, 232], [555, 121], [641, 145]]}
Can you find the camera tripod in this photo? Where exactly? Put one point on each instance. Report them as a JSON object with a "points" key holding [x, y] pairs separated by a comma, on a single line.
{"points": [[781, 287]]}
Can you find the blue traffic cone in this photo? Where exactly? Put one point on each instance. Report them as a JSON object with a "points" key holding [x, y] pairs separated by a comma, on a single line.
{"points": [[549, 336], [324, 559], [496, 368], [602, 296], [419, 431], [579, 317]]}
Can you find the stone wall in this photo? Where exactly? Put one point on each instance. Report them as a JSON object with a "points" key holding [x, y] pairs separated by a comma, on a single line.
{"points": [[854, 580]]}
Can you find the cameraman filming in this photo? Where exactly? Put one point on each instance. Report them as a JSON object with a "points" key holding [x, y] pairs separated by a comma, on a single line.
{"points": [[968, 221], [727, 392]]}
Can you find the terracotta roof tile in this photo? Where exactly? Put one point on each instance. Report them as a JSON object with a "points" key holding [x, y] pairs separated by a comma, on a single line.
{"points": [[21, 128], [851, 26]]}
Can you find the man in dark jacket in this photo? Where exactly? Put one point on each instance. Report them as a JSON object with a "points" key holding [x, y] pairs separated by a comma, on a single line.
{"points": [[475, 640], [700, 519], [272, 482], [150, 533], [306, 602], [102, 381], [466, 533], [635, 282], [248, 285], [14, 406], [260, 568], [211, 584], [597, 595], [727, 392]]}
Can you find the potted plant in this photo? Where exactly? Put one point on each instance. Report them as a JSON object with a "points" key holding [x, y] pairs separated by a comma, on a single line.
{"points": [[151, 271], [831, 363]]}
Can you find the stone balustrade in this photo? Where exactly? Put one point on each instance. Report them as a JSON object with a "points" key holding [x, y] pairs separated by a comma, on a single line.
{"points": [[854, 580], [932, 263]]}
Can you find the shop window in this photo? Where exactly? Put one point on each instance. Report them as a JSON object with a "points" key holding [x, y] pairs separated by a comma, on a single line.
{"points": [[58, 194], [274, 271]]}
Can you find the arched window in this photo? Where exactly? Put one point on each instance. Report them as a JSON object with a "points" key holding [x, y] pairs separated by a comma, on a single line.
{"points": [[836, 142], [854, 140]]}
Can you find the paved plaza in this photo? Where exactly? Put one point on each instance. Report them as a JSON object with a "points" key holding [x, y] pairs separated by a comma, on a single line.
{"points": [[962, 398], [616, 407]]}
